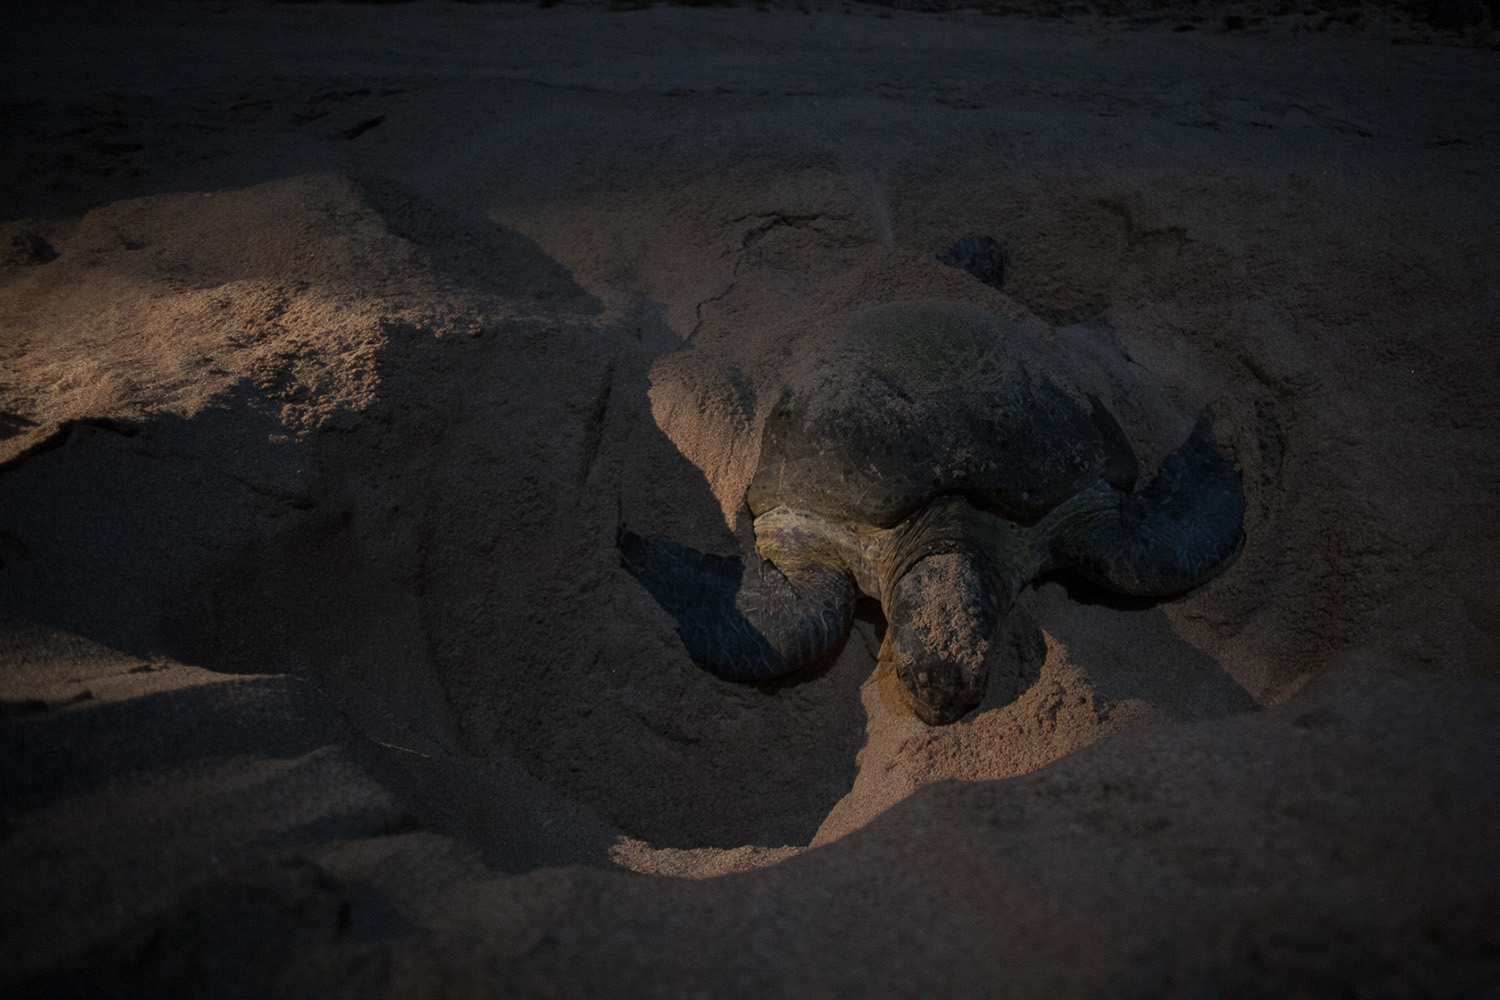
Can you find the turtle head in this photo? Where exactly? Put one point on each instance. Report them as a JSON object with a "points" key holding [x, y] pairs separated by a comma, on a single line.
{"points": [[941, 619]]}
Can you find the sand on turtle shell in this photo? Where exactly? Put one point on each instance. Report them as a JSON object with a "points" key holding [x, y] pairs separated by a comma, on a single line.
{"points": [[333, 353]]}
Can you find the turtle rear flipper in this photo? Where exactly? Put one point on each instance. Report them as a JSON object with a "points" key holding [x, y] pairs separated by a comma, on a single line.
{"points": [[1180, 531], [742, 620]]}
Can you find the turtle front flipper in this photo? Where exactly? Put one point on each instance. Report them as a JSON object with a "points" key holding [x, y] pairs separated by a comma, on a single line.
{"points": [[742, 620], [1179, 532]]}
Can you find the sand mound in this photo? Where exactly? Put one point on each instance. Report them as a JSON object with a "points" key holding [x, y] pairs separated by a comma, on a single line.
{"points": [[323, 400]]}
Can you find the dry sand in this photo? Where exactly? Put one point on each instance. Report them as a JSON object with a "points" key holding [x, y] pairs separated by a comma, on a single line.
{"points": [[335, 341]]}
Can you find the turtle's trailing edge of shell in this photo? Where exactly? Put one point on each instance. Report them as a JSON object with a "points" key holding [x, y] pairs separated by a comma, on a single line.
{"points": [[950, 569]]}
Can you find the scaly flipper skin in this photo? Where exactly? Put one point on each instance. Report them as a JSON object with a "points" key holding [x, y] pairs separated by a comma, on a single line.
{"points": [[742, 621], [1179, 532]]}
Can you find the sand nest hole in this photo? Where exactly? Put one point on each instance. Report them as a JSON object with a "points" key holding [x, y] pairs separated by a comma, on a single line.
{"points": [[384, 446], [413, 507]]}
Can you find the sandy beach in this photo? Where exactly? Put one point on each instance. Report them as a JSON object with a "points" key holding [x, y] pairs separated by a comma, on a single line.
{"points": [[338, 340]]}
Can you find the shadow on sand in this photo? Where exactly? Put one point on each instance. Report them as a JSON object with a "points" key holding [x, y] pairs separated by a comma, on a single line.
{"points": [[440, 571]]}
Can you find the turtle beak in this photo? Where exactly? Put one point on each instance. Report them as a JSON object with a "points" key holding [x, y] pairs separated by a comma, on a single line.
{"points": [[942, 691], [940, 622]]}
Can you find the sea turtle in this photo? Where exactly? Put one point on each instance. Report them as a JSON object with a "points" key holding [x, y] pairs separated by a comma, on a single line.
{"points": [[937, 458]]}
